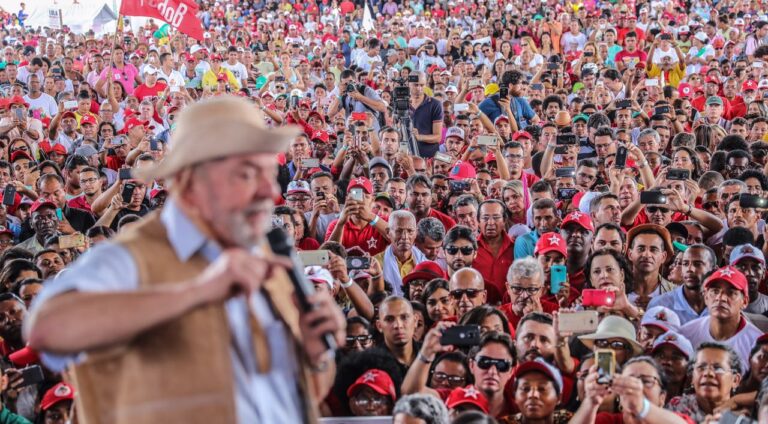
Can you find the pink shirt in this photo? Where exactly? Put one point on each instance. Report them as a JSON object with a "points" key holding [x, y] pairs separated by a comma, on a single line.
{"points": [[127, 76]]}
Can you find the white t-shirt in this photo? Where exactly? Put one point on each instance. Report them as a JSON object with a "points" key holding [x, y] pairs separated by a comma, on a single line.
{"points": [[45, 105], [572, 42], [238, 70], [697, 331], [174, 78]]}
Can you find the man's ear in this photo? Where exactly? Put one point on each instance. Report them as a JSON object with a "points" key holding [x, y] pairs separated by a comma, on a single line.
{"points": [[3, 382]]}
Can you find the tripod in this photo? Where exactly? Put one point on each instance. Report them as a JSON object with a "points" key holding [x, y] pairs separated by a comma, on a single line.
{"points": [[404, 126]]}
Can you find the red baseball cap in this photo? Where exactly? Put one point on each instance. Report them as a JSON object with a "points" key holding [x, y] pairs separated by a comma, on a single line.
{"points": [[521, 134], [730, 275], [580, 219], [377, 380], [490, 157], [6, 230], [320, 135], [56, 394], [88, 119], [17, 100], [221, 76], [132, 123], [41, 204], [361, 182], [685, 89], [56, 148], [749, 85], [427, 270], [215, 56], [156, 192], [540, 366], [550, 242], [24, 356], [462, 170], [712, 80], [467, 395], [20, 154]]}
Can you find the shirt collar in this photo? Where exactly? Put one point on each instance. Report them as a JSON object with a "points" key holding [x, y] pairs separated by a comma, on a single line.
{"points": [[186, 239]]}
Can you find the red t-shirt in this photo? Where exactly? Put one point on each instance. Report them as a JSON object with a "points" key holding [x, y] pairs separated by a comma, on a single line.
{"points": [[494, 269], [367, 238], [447, 221], [514, 319], [114, 163], [626, 57], [143, 91], [346, 7]]}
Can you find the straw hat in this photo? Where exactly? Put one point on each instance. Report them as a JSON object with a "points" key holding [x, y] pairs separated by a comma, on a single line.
{"points": [[217, 128], [613, 327]]}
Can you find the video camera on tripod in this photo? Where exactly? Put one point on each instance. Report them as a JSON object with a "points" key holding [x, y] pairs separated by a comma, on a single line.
{"points": [[401, 105]]}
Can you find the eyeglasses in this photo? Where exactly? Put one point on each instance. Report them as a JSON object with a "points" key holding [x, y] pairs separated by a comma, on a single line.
{"points": [[364, 402], [453, 380], [471, 293], [486, 362], [520, 289], [614, 345], [653, 209], [465, 250], [486, 218], [648, 380], [716, 368], [363, 340]]}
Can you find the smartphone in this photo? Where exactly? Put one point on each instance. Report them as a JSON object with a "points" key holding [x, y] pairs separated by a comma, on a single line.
{"points": [[461, 335], [558, 275], [31, 375], [652, 197], [605, 359], [486, 140], [314, 257], [621, 157], [458, 186], [279, 78], [358, 262], [405, 148], [19, 114], [566, 140], [70, 105], [310, 163], [678, 174], [70, 241], [624, 104], [578, 322], [728, 417], [125, 174], [653, 82], [597, 297], [356, 194], [442, 157], [553, 66], [588, 54], [9, 195], [567, 172], [153, 144], [460, 107], [475, 82], [537, 86], [661, 110], [127, 193], [503, 92], [752, 201], [566, 193], [359, 116], [561, 150]]}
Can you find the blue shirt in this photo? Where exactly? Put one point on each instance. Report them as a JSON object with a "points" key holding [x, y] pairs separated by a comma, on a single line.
{"points": [[521, 109], [259, 398], [675, 300], [525, 245]]}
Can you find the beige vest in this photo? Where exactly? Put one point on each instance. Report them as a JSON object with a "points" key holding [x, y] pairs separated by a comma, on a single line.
{"points": [[180, 371]]}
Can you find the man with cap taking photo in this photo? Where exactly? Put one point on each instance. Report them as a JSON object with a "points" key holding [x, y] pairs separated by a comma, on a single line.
{"points": [[201, 266]]}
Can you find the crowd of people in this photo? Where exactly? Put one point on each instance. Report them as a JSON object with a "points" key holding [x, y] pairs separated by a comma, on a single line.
{"points": [[529, 212]]}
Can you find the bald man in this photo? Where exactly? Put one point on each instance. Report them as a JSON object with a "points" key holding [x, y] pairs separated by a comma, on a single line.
{"points": [[468, 289]]}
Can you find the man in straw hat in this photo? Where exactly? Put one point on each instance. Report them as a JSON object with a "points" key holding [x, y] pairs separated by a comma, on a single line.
{"points": [[187, 316]]}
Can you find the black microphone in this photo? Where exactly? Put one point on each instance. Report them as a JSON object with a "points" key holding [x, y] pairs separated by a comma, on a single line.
{"points": [[282, 245]]}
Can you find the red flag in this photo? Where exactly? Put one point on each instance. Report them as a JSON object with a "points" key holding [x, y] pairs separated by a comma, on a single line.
{"points": [[179, 14]]}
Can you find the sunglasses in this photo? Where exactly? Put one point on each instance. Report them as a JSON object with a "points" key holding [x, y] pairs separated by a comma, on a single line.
{"points": [[363, 340], [465, 250], [653, 209], [471, 293], [486, 362], [615, 345]]}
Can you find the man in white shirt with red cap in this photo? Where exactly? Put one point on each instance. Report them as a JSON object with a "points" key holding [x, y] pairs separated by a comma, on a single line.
{"points": [[726, 295]]}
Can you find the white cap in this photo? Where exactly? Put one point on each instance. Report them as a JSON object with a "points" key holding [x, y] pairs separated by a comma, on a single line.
{"points": [[662, 317], [701, 36], [196, 48], [150, 70]]}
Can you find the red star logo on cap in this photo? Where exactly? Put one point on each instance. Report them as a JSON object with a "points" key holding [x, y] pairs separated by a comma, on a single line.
{"points": [[359, 180], [369, 376], [747, 249], [554, 240], [726, 272], [661, 316], [576, 215], [670, 338], [471, 392], [62, 391]]}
